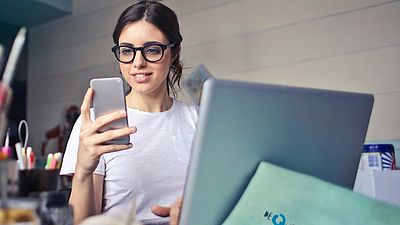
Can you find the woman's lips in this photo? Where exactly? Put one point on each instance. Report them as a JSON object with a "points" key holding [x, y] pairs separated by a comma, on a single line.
{"points": [[141, 77]]}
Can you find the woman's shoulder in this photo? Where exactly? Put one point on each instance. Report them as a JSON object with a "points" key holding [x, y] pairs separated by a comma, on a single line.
{"points": [[181, 105]]}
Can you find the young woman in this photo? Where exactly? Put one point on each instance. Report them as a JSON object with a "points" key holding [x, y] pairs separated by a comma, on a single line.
{"points": [[153, 167]]}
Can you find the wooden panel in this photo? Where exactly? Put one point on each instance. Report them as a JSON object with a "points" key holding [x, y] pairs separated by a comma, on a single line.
{"points": [[82, 7], [75, 31], [74, 58], [385, 123], [333, 35], [374, 71], [368, 29], [93, 22], [241, 17], [55, 89]]}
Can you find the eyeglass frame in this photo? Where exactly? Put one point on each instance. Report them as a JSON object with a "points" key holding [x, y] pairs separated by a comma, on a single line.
{"points": [[162, 46]]}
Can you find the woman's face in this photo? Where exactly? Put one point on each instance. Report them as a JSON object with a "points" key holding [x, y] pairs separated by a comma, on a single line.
{"points": [[145, 77]]}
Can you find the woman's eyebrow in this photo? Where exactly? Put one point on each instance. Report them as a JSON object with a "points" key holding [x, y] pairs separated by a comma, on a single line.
{"points": [[152, 42], [126, 44], [145, 44]]}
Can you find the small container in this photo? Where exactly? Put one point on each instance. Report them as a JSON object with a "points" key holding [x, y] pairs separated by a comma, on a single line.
{"points": [[378, 157]]}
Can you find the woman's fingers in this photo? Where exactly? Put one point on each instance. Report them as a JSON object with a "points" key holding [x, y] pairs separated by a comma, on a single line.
{"points": [[95, 152], [112, 148], [91, 147], [106, 119], [85, 108], [91, 140], [100, 138]]}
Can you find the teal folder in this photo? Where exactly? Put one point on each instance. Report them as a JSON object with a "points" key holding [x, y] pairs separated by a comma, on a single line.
{"points": [[277, 196]]}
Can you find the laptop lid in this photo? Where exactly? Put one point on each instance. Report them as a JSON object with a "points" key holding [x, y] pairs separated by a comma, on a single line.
{"points": [[312, 131]]}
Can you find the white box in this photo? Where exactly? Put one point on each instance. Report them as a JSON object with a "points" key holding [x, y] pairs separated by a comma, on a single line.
{"points": [[379, 185]]}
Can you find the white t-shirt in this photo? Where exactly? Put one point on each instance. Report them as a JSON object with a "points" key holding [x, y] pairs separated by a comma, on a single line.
{"points": [[153, 170]]}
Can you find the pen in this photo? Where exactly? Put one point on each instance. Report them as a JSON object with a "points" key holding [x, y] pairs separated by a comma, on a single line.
{"points": [[53, 163], [6, 150], [48, 162], [18, 150], [23, 158], [31, 160], [58, 156]]}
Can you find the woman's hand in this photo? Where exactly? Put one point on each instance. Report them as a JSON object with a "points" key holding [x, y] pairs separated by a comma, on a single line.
{"points": [[91, 141], [173, 211]]}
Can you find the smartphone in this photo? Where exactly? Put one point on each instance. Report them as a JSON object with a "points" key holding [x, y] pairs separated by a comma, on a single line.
{"points": [[109, 97]]}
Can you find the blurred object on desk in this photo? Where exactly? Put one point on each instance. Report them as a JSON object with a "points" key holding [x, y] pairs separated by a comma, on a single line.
{"points": [[19, 212], [5, 90], [378, 157], [193, 84], [116, 217], [5, 101], [380, 185], [54, 209], [6, 152], [377, 176], [25, 155], [8, 178], [56, 138], [1, 56]]}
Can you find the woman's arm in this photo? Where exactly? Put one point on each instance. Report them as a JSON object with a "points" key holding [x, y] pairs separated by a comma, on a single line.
{"points": [[87, 188], [86, 196]]}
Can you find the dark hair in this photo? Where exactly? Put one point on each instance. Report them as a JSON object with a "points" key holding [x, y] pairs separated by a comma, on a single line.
{"points": [[165, 20]]}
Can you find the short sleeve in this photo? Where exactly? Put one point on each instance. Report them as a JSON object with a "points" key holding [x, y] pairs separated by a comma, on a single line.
{"points": [[71, 152], [100, 169]]}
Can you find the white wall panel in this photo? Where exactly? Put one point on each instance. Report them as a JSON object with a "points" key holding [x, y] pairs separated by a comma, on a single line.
{"points": [[241, 17], [74, 58], [84, 7], [69, 86], [373, 71], [371, 28], [384, 124], [91, 21], [74, 31]]}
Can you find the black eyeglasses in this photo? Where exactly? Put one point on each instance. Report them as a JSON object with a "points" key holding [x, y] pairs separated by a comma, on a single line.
{"points": [[150, 52]]}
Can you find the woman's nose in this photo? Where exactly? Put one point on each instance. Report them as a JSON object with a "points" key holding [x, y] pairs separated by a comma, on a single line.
{"points": [[139, 61]]}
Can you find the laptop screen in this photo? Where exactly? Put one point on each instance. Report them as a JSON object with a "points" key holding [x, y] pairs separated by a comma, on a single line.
{"points": [[312, 131]]}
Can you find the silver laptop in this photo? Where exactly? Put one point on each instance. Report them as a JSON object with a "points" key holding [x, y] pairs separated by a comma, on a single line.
{"points": [[312, 131]]}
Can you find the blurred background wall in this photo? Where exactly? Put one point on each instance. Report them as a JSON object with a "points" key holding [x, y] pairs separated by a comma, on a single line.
{"points": [[351, 45]]}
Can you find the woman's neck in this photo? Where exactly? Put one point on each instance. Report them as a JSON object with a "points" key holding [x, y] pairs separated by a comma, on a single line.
{"points": [[149, 103]]}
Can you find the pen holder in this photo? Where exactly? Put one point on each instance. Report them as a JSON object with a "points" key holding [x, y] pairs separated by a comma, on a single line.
{"points": [[37, 181]]}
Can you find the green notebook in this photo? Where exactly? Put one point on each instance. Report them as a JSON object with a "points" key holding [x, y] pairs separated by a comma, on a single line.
{"points": [[277, 196]]}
